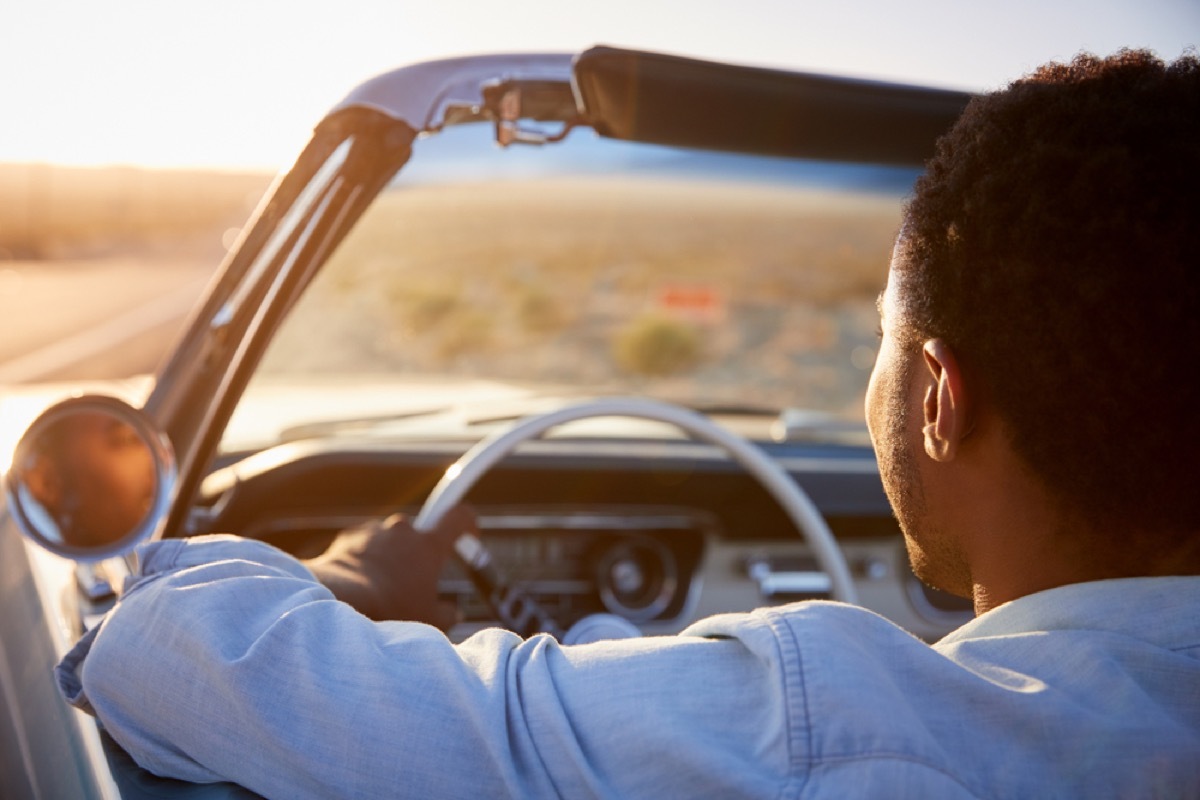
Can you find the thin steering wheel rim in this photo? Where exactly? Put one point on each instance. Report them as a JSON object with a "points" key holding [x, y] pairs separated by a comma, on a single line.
{"points": [[464, 473]]}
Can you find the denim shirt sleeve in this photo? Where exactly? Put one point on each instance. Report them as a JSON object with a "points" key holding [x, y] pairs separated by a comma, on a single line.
{"points": [[225, 660]]}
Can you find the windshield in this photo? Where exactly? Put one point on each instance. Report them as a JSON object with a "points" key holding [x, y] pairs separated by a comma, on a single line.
{"points": [[587, 267]]}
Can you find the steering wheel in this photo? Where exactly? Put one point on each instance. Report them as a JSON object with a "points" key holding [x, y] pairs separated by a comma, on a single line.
{"points": [[522, 614]]}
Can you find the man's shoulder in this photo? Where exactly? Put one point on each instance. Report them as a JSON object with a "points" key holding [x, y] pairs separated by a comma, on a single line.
{"points": [[1068, 680], [836, 647]]}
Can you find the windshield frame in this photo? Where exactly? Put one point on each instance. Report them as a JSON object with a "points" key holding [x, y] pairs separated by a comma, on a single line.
{"points": [[198, 388], [201, 383]]}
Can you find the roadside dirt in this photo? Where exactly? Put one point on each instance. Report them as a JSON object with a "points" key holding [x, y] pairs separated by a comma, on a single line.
{"points": [[44, 303]]}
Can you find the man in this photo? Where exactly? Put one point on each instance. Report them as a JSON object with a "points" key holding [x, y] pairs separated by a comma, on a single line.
{"points": [[1034, 412]]}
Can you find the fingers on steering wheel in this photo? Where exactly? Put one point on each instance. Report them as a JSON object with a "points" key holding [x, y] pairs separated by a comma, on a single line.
{"points": [[458, 520]]}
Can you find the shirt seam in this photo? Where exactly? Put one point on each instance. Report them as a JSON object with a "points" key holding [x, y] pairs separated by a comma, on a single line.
{"points": [[811, 761], [890, 755], [795, 762], [173, 549]]}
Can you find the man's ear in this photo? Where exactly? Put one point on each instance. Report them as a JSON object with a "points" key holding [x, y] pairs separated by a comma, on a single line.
{"points": [[946, 413]]}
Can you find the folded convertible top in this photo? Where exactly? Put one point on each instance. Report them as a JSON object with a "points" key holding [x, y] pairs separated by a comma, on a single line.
{"points": [[663, 99]]}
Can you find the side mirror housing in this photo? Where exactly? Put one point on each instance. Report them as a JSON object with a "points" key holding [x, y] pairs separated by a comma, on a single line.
{"points": [[91, 478]]}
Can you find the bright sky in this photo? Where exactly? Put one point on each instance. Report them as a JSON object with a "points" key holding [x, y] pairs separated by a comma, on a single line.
{"points": [[239, 83]]}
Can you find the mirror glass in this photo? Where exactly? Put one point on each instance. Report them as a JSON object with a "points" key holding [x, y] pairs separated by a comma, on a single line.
{"points": [[90, 478]]}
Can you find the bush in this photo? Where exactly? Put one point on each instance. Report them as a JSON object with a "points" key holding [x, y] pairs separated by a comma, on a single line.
{"points": [[427, 308], [654, 345], [464, 333], [538, 312]]}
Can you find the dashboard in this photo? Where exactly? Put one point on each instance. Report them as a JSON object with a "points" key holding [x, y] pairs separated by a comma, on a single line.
{"points": [[661, 533]]}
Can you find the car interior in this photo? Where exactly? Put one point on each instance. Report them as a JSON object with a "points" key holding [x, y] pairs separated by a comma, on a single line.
{"points": [[652, 226]]}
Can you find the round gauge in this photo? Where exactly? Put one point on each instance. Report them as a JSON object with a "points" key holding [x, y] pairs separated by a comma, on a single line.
{"points": [[637, 578]]}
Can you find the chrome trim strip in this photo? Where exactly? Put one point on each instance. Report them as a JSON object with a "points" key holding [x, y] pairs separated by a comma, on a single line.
{"points": [[420, 94], [583, 448], [772, 584], [589, 521], [612, 521], [562, 587]]}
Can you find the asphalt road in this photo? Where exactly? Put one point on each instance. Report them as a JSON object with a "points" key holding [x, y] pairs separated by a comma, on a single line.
{"points": [[96, 318]]}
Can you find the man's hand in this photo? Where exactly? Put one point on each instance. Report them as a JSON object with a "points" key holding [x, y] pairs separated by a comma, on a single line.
{"points": [[387, 570]]}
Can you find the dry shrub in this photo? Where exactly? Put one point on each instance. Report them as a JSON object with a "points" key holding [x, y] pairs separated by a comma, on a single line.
{"points": [[654, 345], [538, 312], [467, 332], [426, 308]]}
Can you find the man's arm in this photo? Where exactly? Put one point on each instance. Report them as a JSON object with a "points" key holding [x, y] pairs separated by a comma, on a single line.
{"points": [[227, 661]]}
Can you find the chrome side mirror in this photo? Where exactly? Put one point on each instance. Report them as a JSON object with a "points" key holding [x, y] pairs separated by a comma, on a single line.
{"points": [[91, 478]]}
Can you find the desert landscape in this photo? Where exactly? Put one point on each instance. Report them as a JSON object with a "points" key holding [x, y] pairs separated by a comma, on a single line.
{"points": [[711, 293], [719, 294], [98, 266]]}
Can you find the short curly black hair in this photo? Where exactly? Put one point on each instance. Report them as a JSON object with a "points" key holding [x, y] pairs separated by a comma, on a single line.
{"points": [[1054, 243]]}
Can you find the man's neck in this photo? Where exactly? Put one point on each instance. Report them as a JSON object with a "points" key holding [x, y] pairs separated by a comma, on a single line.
{"points": [[1053, 552]]}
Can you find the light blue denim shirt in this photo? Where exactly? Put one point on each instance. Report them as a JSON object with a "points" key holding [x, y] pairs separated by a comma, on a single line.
{"points": [[225, 660]]}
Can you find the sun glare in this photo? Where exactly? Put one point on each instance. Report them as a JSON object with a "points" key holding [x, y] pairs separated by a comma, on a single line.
{"points": [[16, 413], [119, 83]]}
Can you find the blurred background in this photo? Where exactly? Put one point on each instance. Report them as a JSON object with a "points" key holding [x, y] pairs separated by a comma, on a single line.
{"points": [[138, 135]]}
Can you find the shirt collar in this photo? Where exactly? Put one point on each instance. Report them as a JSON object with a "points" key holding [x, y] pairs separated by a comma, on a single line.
{"points": [[1163, 611]]}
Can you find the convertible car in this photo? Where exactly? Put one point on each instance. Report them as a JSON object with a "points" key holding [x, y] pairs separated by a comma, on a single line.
{"points": [[621, 303]]}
